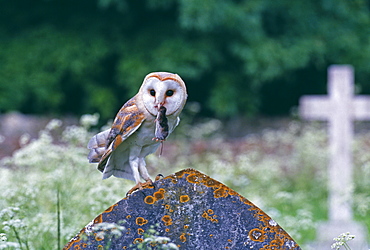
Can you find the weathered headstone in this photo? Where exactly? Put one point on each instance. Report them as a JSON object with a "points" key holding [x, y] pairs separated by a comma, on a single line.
{"points": [[340, 108], [194, 211]]}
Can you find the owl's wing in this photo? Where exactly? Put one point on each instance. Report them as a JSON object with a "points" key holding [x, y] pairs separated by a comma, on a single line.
{"points": [[127, 121]]}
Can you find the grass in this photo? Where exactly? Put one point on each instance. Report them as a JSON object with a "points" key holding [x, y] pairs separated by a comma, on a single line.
{"points": [[48, 190]]}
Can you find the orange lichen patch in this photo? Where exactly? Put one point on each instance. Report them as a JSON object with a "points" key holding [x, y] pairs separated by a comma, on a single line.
{"points": [[181, 173], [186, 226], [110, 209], [208, 217], [277, 243], [221, 192], [124, 247], [211, 235], [271, 247], [149, 200], [98, 219], [184, 198], [140, 231], [99, 237], [137, 240], [173, 178], [182, 237], [193, 178], [272, 226], [246, 201], [209, 182], [76, 239], [84, 245], [141, 221], [100, 247], [167, 206], [257, 235], [229, 240], [167, 230], [128, 216], [158, 195], [198, 178], [220, 189], [167, 220], [232, 192]]}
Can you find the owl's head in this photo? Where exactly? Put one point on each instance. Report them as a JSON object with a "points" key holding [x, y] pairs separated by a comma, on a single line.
{"points": [[163, 89]]}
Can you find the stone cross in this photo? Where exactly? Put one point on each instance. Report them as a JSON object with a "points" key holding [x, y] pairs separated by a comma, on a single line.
{"points": [[340, 108]]}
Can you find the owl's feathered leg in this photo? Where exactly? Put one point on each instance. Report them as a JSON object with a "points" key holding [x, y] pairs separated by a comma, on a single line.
{"points": [[138, 167], [143, 171]]}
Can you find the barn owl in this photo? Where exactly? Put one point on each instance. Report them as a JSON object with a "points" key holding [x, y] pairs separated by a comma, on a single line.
{"points": [[140, 126]]}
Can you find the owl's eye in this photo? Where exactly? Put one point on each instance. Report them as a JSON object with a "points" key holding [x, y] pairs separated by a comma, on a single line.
{"points": [[169, 92], [152, 92]]}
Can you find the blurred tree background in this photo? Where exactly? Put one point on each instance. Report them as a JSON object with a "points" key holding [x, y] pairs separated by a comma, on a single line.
{"points": [[238, 57]]}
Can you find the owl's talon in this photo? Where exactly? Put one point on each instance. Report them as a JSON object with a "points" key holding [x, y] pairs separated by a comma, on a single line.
{"points": [[134, 188], [140, 186], [158, 177], [148, 182]]}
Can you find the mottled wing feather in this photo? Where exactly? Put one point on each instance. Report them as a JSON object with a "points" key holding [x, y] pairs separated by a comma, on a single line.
{"points": [[104, 159], [127, 121], [97, 146]]}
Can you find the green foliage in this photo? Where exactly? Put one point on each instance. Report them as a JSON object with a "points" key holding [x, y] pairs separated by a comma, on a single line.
{"points": [[40, 67], [91, 56]]}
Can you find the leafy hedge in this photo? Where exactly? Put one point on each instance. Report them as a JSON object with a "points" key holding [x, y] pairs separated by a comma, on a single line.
{"points": [[238, 57]]}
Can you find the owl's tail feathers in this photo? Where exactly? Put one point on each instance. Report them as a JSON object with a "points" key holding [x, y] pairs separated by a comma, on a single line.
{"points": [[97, 146]]}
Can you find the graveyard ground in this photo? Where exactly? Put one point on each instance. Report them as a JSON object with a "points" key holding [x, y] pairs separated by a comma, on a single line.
{"points": [[283, 171]]}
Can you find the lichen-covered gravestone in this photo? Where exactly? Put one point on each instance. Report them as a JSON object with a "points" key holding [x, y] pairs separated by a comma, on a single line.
{"points": [[194, 211]]}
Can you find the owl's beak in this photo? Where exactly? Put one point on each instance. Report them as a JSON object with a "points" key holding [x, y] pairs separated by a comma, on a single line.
{"points": [[159, 105]]}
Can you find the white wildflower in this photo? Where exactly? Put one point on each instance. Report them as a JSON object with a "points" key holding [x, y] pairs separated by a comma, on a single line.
{"points": [[3, 237], [108, 229], [342, 240], [24, 139], [53, 124], [88, 120]]}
